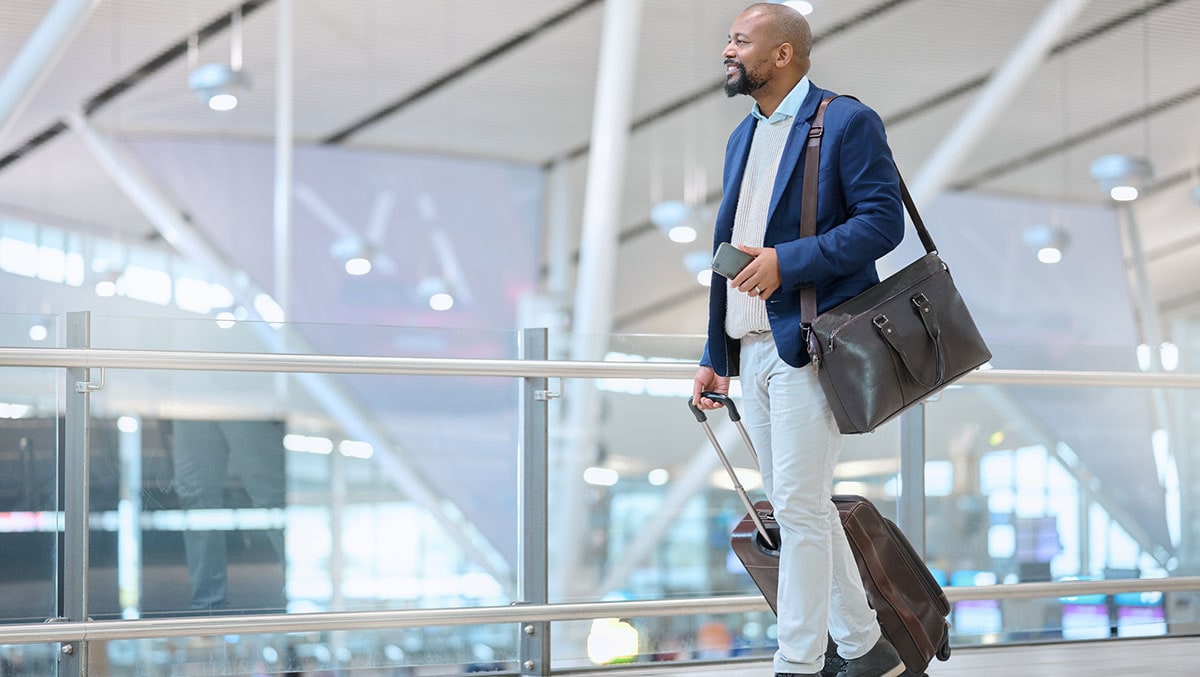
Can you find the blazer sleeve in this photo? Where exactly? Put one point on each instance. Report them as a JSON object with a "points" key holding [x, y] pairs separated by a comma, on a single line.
{"points": [[875, 218]]}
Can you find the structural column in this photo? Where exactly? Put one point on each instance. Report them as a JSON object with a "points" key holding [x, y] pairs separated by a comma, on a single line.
{"points": [[611, 120], [284, 108]]}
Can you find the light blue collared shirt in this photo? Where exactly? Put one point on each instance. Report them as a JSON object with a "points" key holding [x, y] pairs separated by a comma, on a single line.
{"points": [[788, 107]]}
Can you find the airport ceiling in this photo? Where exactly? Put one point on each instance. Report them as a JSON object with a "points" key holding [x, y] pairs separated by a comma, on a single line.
{"points": [[514, 80]]}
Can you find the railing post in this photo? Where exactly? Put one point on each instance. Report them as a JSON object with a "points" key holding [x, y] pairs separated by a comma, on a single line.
{"points": [[910, 513], [76, 486], [532, 560]]}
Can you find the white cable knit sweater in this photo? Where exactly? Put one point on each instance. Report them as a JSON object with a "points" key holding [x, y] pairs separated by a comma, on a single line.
{"points": [[743, 313]]}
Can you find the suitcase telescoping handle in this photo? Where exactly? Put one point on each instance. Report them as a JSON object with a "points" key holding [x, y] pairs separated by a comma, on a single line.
{"points": [[734, 416]]}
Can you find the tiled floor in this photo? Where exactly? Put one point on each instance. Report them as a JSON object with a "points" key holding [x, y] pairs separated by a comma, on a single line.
{"points": [[1133, 658]]}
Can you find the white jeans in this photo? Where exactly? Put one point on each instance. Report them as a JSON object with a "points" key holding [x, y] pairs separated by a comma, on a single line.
{"points": [[798, 443]]}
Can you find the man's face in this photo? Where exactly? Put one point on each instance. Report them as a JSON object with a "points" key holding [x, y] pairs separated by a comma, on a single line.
{"points": [[749, 55]]}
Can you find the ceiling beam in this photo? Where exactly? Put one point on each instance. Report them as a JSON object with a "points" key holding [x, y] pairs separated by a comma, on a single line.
{"points": [[445, 79], [1188, 303]]}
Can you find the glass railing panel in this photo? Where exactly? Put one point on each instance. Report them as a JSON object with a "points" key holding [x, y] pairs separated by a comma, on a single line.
{"points": [[1046, 483], [31, 438], [29, 660], [628, 347], [303, 492], [1067, 356], [1082, 617], [355, 535]]}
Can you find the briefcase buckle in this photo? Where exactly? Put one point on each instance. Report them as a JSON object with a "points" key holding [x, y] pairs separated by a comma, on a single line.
{"points": [[813, 344]]}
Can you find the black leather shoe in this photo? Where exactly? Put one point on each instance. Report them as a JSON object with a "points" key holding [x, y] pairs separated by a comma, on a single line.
{"points": [[881, 661], [797, 674]]}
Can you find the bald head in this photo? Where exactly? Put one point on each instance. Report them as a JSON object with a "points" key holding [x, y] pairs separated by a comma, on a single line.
{"points": [[785, 24]]}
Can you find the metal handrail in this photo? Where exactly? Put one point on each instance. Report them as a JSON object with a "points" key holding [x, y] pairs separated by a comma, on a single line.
{"points": [[250, 624], [448, 366], [331, 364]]}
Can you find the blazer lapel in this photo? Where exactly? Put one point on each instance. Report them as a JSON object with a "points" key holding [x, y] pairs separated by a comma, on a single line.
{"points": [[796, 141]]}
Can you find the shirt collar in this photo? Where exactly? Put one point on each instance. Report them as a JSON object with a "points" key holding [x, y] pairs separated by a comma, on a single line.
{"points": [[788, 107]]}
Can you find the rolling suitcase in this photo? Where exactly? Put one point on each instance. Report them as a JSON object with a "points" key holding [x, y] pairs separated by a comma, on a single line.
{"points": [[909, 603]]}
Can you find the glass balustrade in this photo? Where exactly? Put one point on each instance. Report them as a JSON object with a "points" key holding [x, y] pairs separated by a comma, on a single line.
{"points": [[225, 494]]}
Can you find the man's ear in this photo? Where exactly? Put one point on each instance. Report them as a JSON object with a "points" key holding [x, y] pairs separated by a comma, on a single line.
{"points": [[785, 55]]}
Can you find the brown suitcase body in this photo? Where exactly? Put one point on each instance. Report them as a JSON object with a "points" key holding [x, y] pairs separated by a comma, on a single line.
{"points": [[909, 603]]}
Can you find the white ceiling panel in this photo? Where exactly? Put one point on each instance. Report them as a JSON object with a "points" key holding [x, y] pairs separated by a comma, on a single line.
{"points": [[63, 180], [506, 107], [533, 103]]}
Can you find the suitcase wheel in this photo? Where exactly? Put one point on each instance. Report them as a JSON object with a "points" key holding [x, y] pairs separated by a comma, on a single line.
{"points": [[943, 652]]}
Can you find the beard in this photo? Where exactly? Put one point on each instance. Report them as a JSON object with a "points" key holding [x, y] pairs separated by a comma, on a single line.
{"points": [[743, 83]]}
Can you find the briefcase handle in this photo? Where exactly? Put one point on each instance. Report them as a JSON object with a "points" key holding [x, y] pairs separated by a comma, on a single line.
{"points": [[929, 318]]}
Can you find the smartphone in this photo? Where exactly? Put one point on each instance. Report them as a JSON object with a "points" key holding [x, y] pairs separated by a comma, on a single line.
{"points": [[729, 260]]}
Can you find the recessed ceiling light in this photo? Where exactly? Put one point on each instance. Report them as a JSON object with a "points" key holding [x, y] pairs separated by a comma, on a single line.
{"points": [[682, 234], [1049, 255], [358, 266], [1123, 193], [441, 301]]}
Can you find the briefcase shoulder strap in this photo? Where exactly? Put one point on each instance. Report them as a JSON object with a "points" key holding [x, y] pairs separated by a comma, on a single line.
{"points": [[808, 204]]}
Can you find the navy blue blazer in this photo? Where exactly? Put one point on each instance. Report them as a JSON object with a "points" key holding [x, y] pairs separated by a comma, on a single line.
{"points": [[859, 219]]}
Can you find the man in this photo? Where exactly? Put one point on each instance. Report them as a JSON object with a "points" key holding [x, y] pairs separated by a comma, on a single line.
{"points": [[754, 321], [201, 452]]}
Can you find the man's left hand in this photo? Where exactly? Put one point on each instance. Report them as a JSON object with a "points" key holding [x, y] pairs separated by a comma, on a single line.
{"points": [[761, 276]]}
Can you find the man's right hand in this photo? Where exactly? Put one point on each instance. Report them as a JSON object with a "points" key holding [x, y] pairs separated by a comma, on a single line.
{"points": [[707, 381]]}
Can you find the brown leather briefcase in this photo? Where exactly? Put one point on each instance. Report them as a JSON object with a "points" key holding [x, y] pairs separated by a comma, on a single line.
{"points": [[895, 344]]}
